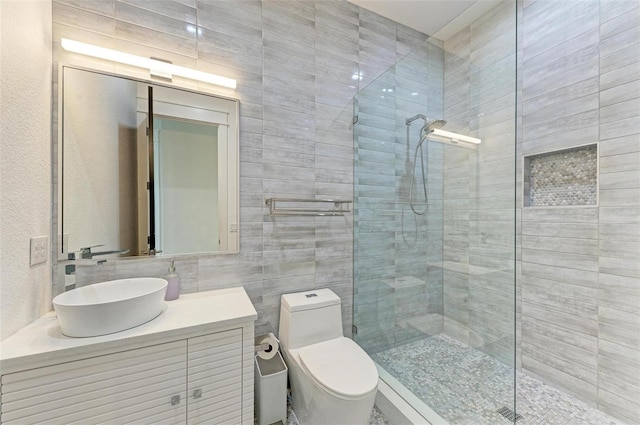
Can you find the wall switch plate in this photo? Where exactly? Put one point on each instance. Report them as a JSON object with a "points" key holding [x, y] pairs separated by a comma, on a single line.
{"points": [[39, 250]]}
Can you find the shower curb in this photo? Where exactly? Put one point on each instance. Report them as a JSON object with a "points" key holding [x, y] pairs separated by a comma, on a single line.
{"points": [[396, 409]]}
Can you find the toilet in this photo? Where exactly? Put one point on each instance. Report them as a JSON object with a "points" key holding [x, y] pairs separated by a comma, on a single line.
{"points": [[333, 380]]}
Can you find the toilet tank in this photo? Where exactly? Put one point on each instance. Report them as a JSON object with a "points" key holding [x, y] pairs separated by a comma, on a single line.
{"points": [[309, 317]]}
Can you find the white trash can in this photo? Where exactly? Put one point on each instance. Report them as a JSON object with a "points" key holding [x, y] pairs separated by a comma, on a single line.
{"points": [[270, 390]]}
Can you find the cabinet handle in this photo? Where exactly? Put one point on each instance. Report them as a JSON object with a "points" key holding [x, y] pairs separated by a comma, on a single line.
{"points": [[197, 393], [175, 400]]}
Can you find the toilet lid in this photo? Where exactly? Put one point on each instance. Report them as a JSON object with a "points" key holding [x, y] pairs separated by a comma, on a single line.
{"points": [[341, 367]]}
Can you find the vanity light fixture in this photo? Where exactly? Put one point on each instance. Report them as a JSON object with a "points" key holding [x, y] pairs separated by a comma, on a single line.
{"points": [[454, 137], [156, 67]]}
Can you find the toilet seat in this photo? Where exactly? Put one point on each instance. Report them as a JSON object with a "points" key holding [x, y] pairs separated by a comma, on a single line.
{"points": [[341, 368]]}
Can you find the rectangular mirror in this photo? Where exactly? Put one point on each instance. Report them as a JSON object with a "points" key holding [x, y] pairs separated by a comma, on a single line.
{"points": [[145, 168]]}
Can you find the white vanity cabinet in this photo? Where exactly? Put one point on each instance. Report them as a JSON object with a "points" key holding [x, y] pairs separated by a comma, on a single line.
{"points": [[135, 386], [163, 372], [214, 376]]}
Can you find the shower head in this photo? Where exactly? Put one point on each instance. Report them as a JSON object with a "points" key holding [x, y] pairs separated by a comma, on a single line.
{"points": [[429, 127], [432, 131]]}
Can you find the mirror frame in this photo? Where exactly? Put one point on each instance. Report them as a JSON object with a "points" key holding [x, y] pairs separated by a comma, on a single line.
{"points": [[233, 195]]}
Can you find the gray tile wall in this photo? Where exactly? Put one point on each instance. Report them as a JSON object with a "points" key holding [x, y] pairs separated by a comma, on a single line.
{"points": [[479, 223], [580, 281], [294, 63], [397, 275], [578, 306]]}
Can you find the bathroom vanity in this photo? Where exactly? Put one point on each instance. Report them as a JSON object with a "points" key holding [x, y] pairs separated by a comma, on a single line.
{"points": [[191, 364]]}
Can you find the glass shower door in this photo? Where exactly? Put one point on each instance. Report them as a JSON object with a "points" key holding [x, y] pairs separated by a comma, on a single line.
{"points": [[434, 224]]}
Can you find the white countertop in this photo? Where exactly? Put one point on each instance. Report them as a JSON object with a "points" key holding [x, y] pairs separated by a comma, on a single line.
{"points": [[43, 340]]}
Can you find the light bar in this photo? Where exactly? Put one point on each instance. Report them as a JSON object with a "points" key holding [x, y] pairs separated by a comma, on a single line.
{"points": [[154, 66], [455, 137]]}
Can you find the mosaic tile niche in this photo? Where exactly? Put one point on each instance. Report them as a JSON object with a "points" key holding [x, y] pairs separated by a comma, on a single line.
{"points": [[562, 178]]}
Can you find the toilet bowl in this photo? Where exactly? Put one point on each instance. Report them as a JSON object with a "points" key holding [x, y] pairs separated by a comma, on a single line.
{"points": [[333, 380]]}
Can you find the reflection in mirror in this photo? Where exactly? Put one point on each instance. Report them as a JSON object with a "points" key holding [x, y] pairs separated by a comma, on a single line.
{"points": [[169, 184], [186, 188]]}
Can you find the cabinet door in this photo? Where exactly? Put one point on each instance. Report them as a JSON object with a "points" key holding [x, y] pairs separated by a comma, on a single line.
{"points": [[141, 386], [214, 378]]}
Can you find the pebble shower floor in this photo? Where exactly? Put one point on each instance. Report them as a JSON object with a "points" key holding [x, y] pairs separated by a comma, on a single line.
{"points": [[467, 387]]}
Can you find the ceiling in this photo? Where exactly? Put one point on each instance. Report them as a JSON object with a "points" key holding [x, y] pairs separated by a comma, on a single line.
{"points": [[438, 18]]}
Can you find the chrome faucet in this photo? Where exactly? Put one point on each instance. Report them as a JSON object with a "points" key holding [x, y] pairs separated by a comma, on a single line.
{"points": [[87, 254], [84, 257]]}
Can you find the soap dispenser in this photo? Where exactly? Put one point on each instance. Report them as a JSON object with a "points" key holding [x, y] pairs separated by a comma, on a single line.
{"points": [[173, 288]]}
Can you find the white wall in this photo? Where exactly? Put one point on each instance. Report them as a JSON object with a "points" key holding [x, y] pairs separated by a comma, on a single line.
{"points": [[25, 158]]}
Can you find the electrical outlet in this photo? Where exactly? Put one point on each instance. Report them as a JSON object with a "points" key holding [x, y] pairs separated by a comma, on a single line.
{"points": [[39, 250]]}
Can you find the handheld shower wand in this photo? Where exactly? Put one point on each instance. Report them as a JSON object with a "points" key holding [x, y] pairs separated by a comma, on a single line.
{"points": [[426, 129]]}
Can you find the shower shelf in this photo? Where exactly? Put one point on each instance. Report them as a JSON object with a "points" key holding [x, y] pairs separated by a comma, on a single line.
{"points": [[299, 207]]}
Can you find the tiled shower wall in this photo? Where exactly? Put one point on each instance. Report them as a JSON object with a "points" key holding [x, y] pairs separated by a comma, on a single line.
{"points": [[398, 254], [479, 221], [580, 280], [578, 298], [295, 64]]}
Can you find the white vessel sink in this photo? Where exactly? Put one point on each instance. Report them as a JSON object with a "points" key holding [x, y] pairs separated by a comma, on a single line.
{"points": [[108, 307]]}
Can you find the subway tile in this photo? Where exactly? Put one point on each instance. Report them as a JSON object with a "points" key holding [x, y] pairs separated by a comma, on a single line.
{"points": [[622, 75], [559, 357], [175, 9], [561, 132], [583, 297], [620, 266], [279, 20], [619, 326], [248, 59], [568, 69], [620, 284], [620, 180], [158, 19], [562, 230], [103, 7], [83, 18], [570, 245], [583, 389], [619, 368], [618, 111], [611, 9], [620, 197], [619, 59], [619, 215], [623, 40], [619, 407], [220, 16], [566, 319], [560, 215], [619, 163], [622, 232], [155, 38], [567, 40], [568, 93], [559, 23], [561, 343], [621, 93]]}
